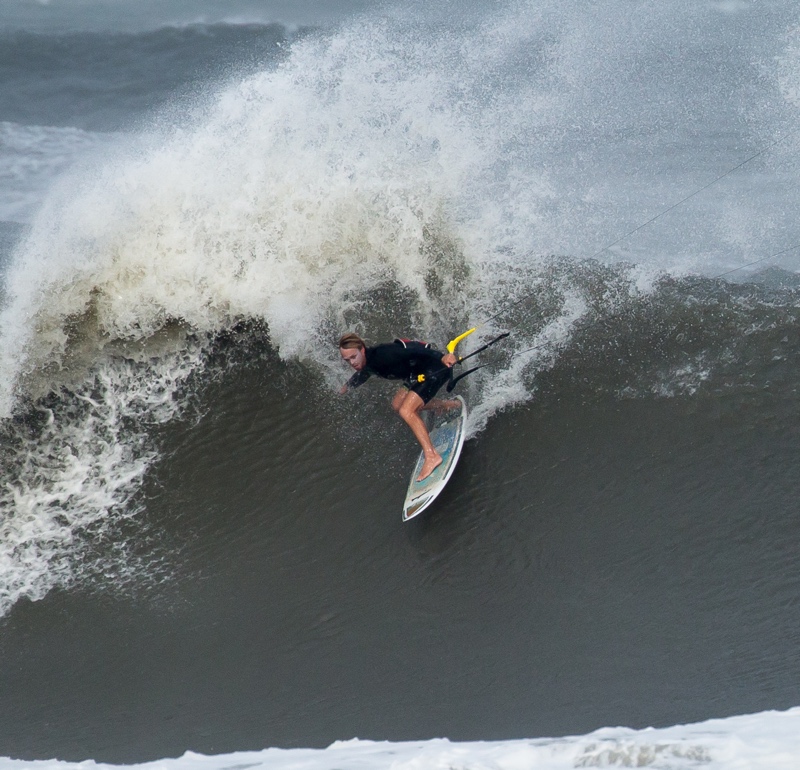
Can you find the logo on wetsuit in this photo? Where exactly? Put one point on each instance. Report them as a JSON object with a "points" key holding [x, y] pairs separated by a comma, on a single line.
{"points": [[410, 345]]}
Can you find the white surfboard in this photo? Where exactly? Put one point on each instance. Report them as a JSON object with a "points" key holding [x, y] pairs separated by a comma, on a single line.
{"points": [[448, 438]]}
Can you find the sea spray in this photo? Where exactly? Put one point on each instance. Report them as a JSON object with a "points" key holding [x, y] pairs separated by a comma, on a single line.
{"points": [[292, 196]]}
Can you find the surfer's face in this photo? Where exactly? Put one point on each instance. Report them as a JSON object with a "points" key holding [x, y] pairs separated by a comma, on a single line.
{"points": [[356, 357]]}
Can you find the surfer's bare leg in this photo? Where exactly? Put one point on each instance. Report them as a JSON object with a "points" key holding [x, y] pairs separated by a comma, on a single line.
{"points": [[408, 405], [439, 405]]}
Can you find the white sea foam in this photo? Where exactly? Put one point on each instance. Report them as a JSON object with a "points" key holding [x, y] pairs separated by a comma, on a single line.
{"points": [[75, 477], [510, 386], [298, 186], [766, 741]]}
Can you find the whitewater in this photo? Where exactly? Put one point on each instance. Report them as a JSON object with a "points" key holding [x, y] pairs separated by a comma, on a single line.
{"points": [[770, 741]]}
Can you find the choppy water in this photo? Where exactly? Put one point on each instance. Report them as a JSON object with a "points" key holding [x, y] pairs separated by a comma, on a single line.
{"points": [[201, 543]]}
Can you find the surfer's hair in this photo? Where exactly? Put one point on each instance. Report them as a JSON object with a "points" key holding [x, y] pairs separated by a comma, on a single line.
{"points": [[350, 341]]}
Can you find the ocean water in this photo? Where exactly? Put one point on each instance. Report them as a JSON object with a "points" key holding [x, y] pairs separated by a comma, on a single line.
{"points": [[201, 545], [766, 741]]}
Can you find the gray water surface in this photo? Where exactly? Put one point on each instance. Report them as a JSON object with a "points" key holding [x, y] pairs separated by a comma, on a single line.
{"points": [[593, 562]]}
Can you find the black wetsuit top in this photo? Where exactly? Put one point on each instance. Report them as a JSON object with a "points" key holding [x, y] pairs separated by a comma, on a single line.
{"points": [[399, 361]]}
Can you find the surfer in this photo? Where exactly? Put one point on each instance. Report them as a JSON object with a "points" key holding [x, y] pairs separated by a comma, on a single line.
{"points": [[423, 370]]}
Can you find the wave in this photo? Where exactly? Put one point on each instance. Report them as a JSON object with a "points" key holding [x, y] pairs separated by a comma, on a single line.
{"points": [[388, 178], [148, 15], [31, 157], [109, 81], [759, 742]]}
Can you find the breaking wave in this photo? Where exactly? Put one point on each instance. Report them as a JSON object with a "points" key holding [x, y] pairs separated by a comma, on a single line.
{"points": [[387, 179]]}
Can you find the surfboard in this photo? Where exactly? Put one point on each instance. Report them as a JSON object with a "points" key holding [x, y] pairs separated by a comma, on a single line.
{"points": [[448, 438]]}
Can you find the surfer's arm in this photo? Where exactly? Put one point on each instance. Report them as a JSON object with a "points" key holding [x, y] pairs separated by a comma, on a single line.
{"points": [[359, 378], [449, 359]]}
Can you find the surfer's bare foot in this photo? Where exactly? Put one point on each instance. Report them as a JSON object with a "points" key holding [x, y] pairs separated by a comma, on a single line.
{"points": [[429, 466]]}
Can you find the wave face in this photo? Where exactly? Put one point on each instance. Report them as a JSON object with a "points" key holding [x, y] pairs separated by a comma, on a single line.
{"points": [[386, 177], [393, 176]]}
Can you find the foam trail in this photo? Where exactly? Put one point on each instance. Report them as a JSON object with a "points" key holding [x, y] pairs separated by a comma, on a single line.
{"points": [[510, 386]]}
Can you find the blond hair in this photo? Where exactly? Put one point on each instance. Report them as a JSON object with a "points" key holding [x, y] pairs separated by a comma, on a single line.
{"points": [[350, 341]]}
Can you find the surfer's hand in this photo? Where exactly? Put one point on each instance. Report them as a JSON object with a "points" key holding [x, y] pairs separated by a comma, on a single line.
{"points": [[343, 389], [449, 359]]}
